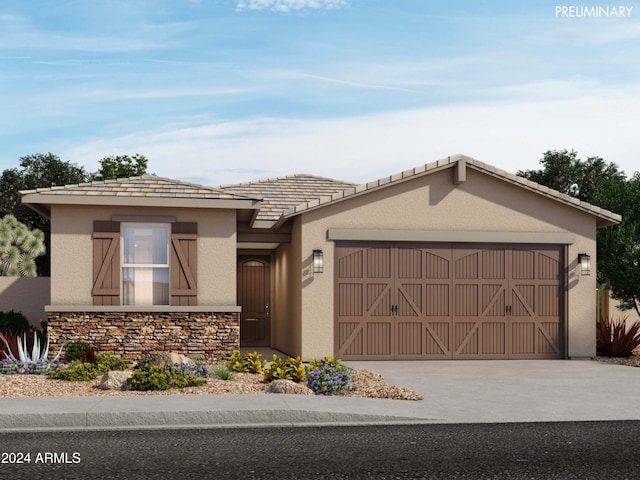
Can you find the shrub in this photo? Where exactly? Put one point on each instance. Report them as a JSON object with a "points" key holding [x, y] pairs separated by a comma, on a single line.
{"points": [[145, 363], [192, 368], [222, 372], [328, 360], [81, 351], [329, 381], [14, 323], [82, 371], [247, 363], [76, 371], [613, 339], [106, 362], [289, 369], [162, 378], [10, 366]]}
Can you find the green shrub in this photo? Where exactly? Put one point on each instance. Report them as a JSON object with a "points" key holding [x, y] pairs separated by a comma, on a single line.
{"points": [[146, 363], [106, 362], [222, 372], [289, 369], [332, 362], [14, 322], [76, 371], [82, 371], [247, 363], [162, 378], [81, 351]]}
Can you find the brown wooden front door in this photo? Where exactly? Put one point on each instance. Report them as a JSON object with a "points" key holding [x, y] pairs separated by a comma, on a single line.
{"points": [[254, 294]]}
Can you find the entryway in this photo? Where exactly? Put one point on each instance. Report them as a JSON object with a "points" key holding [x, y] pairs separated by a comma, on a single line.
{"points": [[254, 296]]}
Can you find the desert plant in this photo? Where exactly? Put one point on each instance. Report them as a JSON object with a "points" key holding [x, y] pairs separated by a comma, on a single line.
{"points": [[192, 368], [81, 351], [145, 363], [162, 378], [329, 381], [247, 363], [222, 372], [289, 369], [614, 339], [41, 367], [82, 371], [76, 371], [36, 354], [334, 362], [19, 247]]}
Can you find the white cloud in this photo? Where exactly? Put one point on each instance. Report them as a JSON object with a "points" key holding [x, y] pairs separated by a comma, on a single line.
{"points": [[361, 148], [289, 5]]}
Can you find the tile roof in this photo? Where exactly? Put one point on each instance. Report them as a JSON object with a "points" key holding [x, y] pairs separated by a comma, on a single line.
{"points": [[148, 186], [605, 217], [284, 193]]}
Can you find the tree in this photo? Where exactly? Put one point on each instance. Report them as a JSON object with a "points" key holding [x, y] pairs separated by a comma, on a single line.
{"points": [[602, 184], [37, 171], [121, 166], [565, 172], [19, 246], [619, 245]]}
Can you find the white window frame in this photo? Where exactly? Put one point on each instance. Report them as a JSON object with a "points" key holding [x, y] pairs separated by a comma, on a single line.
{"points": [[123, 265]]}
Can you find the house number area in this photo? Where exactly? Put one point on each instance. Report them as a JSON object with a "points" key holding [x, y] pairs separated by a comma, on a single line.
{"points": [[53, 458]]}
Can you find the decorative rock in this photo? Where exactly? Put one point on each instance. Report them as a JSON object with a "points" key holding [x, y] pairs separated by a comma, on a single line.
{"points": [[115, 380], [289, 387], [170, 358]]}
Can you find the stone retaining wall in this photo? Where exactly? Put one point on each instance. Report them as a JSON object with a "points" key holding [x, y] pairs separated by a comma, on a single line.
{"points": [[133, 335]]}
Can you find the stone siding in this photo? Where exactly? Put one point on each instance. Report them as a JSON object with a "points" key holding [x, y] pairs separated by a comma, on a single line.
{"points": [[133, 335]]}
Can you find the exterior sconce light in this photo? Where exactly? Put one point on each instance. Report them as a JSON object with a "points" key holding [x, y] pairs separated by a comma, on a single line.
{"points": [[318, 261], [584, 261]]}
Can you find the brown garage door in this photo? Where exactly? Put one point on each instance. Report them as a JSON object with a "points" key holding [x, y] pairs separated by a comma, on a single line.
{"points": [[448, 301]]}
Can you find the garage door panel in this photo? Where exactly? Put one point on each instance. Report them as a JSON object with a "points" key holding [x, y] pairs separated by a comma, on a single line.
{"points": [[437, 300], [466, 300], [350, 300], [379, 339], [378, 300], [450, 301]]}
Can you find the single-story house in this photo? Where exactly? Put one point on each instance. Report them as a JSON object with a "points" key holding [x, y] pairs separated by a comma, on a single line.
{"points": [[450, 260]]}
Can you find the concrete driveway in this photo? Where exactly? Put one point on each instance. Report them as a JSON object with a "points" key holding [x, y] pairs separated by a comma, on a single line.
{"points": [[517, 390]]}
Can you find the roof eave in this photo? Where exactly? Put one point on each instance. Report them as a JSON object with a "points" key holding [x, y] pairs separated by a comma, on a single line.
{"points": [[33, 199]]}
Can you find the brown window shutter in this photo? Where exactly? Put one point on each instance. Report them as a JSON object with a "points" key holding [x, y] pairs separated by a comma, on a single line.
{"points": [[106, 263], [184, 263]]}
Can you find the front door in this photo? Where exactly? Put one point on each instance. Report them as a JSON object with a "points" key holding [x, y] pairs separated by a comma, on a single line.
{"points": [[254, 298]]}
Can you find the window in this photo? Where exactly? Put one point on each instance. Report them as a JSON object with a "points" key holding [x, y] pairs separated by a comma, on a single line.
{"points": [[145, 264]]}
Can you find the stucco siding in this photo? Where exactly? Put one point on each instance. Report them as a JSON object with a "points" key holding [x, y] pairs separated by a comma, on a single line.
{"points": [[481, 203], [72, 254], [28, 295]]}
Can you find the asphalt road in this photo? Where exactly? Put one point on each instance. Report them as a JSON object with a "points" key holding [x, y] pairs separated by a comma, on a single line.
{"points": [[590, 450]]}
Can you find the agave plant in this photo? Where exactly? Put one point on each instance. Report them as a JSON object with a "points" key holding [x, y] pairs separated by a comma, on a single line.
{"points": [[37, 354], [614, 339]]}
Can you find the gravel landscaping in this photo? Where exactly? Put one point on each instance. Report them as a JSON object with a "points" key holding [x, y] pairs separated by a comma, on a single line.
{"points": [[368, 384]]}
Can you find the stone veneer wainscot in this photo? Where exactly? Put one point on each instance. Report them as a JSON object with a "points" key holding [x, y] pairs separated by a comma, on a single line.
{"points": [[209, 334]]}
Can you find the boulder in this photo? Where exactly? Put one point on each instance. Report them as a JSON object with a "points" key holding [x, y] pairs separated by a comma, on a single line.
{"points": [[170, 358], [288, 386], [115, 380]]}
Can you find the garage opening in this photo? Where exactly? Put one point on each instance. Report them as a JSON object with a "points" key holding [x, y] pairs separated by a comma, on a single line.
{"points": [[448, 301]]}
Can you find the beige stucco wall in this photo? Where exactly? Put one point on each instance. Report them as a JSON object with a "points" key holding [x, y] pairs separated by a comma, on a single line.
{"points": [[433, 202], [72, 250], [286, 323], [28, 295]]}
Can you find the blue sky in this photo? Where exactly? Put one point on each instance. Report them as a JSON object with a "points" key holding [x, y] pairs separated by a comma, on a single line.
{"points": [[226, 91]]}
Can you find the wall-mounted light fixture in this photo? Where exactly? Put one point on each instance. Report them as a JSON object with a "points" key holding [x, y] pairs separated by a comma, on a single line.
{"points": [[318, 261], [584, 261]]}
